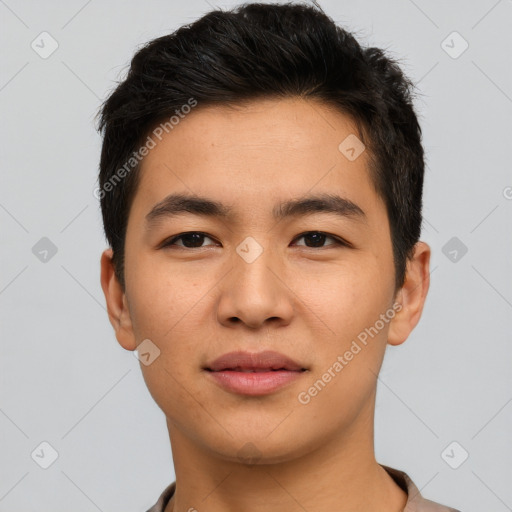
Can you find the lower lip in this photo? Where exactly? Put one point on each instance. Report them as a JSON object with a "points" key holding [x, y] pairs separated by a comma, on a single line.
{"points": [[254, 383]]}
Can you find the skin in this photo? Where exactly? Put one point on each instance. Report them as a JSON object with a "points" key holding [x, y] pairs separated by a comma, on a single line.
{"points": [[309, 303]]}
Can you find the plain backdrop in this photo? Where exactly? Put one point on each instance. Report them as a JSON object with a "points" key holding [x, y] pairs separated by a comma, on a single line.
{"points": [[445, 395]]}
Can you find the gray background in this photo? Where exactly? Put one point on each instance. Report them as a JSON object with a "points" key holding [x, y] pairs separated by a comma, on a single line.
{"points": [[64, 378]]}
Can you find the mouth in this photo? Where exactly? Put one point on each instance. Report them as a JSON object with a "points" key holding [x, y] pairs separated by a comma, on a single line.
{"points": [[254, 374], [254, 362], [255, 370]]}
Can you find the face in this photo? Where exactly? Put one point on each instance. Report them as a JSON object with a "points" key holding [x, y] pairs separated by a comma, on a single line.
{"points": [[272, 265]]}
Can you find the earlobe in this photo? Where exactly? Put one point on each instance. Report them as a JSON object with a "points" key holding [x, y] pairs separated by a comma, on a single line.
{"points": [[412, 295], [117, 306]]}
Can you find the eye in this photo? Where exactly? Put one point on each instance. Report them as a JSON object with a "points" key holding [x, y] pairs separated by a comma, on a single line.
{"points": [[195, 240], [317, 239], [190, 240]]}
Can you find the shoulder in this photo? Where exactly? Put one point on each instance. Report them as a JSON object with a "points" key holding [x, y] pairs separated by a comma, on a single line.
{"points": [[415, 502], [164, 498]]}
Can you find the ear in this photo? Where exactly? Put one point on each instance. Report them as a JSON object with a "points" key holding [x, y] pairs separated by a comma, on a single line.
{"points": [[117, 306], [412, 295]]}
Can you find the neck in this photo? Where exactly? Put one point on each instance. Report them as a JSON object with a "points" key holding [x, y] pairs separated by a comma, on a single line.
{"points": [[339, 474]]}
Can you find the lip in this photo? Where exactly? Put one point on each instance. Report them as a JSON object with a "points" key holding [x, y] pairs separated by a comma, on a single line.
{"points": [[266, 360], [254, 374]]}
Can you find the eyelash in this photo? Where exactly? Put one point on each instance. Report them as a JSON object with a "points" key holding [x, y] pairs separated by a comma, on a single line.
{"points": [[170, 241]]}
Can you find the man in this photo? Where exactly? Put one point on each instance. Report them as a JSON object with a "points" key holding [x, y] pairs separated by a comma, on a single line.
{"points": [[261, 189]]}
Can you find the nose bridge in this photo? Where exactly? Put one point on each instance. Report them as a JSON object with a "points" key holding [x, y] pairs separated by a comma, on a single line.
{"points": [[252, 264], [254, 292]]}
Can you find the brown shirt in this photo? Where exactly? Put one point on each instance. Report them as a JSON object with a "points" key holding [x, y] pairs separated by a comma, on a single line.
{"points": [[415, 502]]}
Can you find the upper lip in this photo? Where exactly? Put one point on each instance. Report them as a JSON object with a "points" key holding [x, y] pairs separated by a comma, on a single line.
{"points": [[267, 360]]}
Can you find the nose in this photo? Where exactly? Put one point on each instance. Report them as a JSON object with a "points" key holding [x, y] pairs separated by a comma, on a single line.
{"points": [[256, 293]]}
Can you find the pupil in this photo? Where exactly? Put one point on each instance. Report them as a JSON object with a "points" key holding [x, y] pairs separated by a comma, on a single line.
{"points": [[197, 240], [320, 238]]}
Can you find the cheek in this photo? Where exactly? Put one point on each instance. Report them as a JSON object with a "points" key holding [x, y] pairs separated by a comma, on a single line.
{"points": [[164, 297], [167, 310], [346, 296], [168, 307], [350, 304], [343, 382]]}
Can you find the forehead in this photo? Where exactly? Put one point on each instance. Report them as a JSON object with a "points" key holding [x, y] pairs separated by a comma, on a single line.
{"points": [[257, 153], [291, 125]]}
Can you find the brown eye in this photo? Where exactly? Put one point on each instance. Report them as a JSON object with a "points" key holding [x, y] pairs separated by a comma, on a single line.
{"points": [[191, 240], [317, 239]]}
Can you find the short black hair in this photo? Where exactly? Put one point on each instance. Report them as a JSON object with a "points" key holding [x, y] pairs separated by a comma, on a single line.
{"points": [[257, 51]]}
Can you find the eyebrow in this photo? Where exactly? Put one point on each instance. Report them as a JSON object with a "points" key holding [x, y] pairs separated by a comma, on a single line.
{"points": [[177, 204]]}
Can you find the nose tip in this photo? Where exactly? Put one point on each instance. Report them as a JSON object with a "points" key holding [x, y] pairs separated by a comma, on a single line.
{"points": [[253, 294], [253, 323]]}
